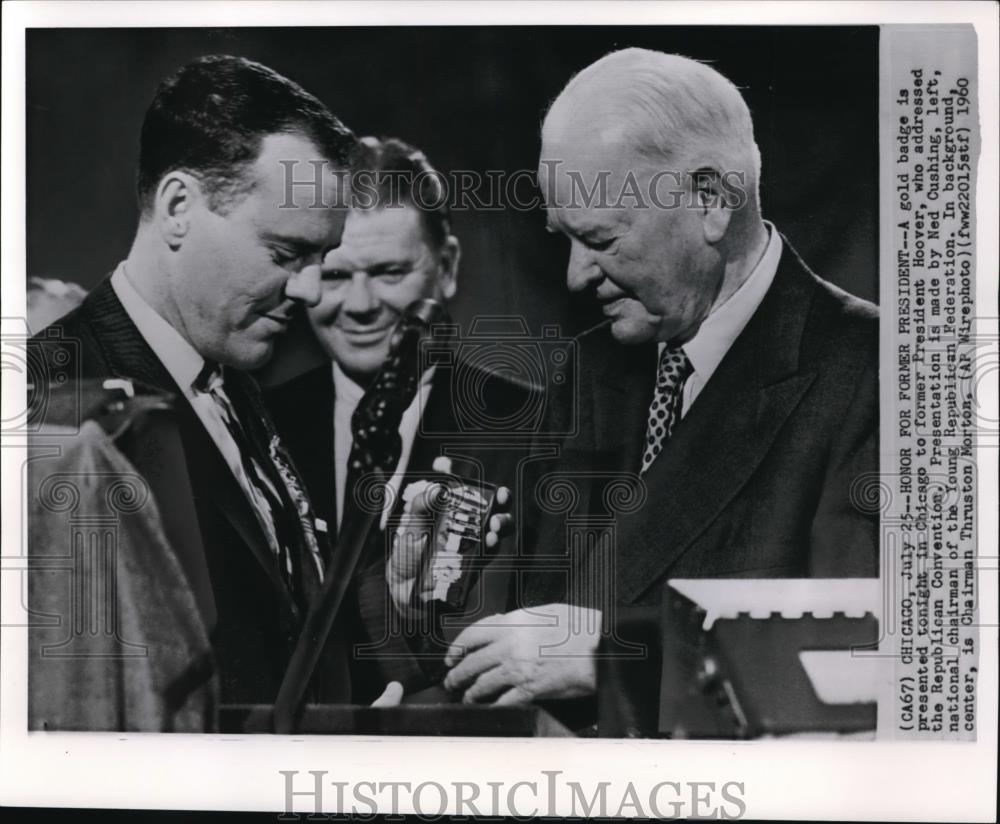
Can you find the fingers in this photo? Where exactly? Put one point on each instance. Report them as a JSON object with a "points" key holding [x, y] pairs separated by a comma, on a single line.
{"points": [[500, 526], [421, 494], [391, 696], [514, 696], [473, 666], [407, 556], [473, 637], [490, 683], [442, 464], [427, 498], [501, 523]]}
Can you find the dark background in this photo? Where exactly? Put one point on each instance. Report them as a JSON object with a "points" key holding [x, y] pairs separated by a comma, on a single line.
{"points": [[471, 98]]}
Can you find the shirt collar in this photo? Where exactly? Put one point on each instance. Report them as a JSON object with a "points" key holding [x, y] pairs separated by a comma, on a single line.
{"points": [[179, 358], [720, 329], [345, 389]]}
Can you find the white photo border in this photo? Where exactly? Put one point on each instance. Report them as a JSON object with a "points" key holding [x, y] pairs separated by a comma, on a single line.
{"points": [[831, 780]]}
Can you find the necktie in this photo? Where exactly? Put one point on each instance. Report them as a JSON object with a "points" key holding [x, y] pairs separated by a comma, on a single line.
{"points": [[665, 409], [280, 496]]}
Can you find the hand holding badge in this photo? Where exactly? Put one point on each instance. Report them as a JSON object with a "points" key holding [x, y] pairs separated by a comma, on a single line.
{"points": [[455, 517]]}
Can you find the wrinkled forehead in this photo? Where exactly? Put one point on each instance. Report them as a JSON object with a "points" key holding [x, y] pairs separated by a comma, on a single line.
{"points": [[380, 235], [605, 176]]}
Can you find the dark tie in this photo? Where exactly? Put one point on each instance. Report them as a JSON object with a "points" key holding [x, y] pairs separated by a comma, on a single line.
{"points": [[665, 409], [269, 469]]}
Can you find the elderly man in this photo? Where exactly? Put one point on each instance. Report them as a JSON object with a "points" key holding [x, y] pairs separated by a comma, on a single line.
{"points": [[222, 256], [735, 383], [397, 249]]}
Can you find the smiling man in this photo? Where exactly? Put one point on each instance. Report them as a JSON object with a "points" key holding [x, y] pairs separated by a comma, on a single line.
{"points": [[397, 248], [219, 262], [393, 252]]}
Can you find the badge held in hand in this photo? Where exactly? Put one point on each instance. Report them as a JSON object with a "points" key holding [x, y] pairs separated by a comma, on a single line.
{"points": [[457, 540]]}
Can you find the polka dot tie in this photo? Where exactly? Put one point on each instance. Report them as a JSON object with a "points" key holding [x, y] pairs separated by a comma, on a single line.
{"points": [[665, 410]]}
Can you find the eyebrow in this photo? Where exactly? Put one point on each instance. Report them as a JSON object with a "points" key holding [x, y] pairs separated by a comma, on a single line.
{"points": [[390, 264], [299, 242], [374, 268], [588, 232]]}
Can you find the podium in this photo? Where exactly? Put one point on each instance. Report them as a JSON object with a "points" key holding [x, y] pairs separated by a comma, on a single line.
{"points": [[731, 659], [406, 719]]}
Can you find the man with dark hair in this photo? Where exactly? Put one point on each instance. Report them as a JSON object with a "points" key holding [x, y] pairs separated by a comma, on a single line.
{"points": [[221, 260], [211, 117], [397, 249]]}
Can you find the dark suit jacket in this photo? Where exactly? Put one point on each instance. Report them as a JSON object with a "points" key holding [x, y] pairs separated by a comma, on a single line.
{"points": [[763, 477], [256, 621], [303, 411]]}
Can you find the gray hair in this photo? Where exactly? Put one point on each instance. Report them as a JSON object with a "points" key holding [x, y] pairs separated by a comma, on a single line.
{"points": [[673, 108]]}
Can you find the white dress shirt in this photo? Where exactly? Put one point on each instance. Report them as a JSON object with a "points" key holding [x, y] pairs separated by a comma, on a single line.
{"points": [[348, 395], [720, 329], [184, 365]]}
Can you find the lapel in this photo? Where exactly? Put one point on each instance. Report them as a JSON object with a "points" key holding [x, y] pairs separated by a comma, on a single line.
{"points": [[438, 417], [129, 356], [302, 410], [618, 400], [727, 432]]}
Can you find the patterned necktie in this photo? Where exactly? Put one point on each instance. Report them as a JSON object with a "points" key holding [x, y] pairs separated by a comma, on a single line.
{"points": [[280, 496], [375, 423], [665, 410]]}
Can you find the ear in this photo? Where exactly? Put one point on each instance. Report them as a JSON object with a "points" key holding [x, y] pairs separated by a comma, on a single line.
{"points": [[450, 253], [176, 196], [712, 202]]}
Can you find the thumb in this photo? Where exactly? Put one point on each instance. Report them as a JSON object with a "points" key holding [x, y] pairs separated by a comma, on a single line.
{"points": [[442, 464], [430, 500], [391, 696], [407, 555]]}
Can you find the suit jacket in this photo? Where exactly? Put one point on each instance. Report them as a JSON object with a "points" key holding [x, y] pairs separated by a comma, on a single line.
{"points": [[254, 621], [764, 477], [303, 411]]}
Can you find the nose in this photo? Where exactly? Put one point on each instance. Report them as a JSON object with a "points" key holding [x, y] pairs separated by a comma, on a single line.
{"points": [[581, 271], [304, 285], [360, 299]]}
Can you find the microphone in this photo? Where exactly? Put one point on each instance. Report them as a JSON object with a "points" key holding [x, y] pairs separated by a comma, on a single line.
{"points": [[417, 320], [375, 451], [375, 422], [401, 370]]}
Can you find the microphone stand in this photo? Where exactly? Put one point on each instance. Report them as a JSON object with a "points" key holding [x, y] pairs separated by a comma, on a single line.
{"points": [[323, 615], [404, 348]]}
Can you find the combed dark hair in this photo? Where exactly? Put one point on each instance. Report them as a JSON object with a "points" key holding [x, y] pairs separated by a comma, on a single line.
{"points": [[210, 117], [390, 173]]}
